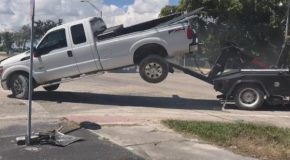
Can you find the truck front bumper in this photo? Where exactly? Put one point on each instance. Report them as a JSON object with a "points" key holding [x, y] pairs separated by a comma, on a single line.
{"points": [[4, 85]]}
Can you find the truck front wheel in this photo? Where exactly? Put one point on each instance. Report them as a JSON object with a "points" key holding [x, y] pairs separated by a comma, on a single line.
{"points": [[19, 86], [249, 97], [153, 69]]}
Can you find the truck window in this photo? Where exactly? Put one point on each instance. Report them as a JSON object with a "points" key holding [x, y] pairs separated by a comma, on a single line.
{"points": [[78, 34], [98, 26], [52, 41]]}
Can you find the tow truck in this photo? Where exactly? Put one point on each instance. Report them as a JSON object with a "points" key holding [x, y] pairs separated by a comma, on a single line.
{"points": [[248, 88]]}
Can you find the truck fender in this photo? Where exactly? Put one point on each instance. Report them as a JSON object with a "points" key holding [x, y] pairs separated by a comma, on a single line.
{"points": [[17, 68], [8, 72], [239, 82], [151, 40]]}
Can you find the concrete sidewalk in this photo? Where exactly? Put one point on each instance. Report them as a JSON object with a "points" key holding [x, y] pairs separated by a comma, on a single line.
{"points": [[154, 141]]}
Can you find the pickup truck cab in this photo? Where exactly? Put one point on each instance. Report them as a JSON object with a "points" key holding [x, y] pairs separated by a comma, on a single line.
{"points": [[87, 46]]}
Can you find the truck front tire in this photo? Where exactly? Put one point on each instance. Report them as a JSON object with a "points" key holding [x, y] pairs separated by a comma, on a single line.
{"points": [[19, 86], [249, 97], [153, 69], [52, 87]]}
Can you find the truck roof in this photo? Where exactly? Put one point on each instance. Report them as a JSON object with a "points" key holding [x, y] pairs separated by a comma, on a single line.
{"points": [[72, 23]]}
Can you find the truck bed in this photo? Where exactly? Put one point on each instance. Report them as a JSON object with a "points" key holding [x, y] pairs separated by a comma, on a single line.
{"points": [[120, 30]]}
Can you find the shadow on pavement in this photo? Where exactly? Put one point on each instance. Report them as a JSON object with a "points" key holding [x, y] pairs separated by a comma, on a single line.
{"points": [[175, 102], [274, 108], [90, 125]]}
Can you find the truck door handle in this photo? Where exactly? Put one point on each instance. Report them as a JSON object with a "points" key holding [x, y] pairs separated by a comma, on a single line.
{"points": [[69, 54]]}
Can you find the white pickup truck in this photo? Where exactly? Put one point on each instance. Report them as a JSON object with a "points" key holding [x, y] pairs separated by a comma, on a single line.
{"points": [[87, 47]]}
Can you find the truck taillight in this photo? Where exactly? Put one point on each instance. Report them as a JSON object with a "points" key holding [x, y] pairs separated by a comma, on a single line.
{"points": [[189, 32]]}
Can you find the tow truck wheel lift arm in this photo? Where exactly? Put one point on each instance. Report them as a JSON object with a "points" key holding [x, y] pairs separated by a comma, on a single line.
{"points": [[231, 51]]}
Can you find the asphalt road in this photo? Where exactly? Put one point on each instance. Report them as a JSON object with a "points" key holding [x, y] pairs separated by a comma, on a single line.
{"points": [[90, 148], [178, 96], [128, 90], [112, 94]]}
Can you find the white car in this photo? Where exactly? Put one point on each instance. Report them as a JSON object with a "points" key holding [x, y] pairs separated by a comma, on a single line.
{"points": [[87, 46]]}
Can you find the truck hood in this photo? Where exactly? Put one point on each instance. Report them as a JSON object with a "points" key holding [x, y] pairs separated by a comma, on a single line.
{"points": [[15, 59]]}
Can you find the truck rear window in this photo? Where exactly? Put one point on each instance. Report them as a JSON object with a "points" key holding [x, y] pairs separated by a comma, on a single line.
{"points": [[78, 34]]}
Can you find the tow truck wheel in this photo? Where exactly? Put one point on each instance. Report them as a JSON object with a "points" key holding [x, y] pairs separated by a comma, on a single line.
{"points": [[249, 97], [19, 86], [52, 87], [153, 69]]}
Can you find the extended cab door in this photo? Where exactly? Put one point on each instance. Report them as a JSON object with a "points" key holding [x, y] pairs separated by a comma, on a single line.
{"points": [[55, 58], [82, 48]]}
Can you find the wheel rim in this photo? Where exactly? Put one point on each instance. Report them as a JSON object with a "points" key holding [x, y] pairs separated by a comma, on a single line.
{"points": [[249, 97], [17, 85], [153, 70]]}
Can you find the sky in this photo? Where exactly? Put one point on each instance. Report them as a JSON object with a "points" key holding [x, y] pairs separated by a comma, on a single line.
{"points": [[15, 13], [121, 3]]}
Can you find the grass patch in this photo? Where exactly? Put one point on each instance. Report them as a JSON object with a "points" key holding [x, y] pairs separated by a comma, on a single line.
{"points": [[265, 142]]}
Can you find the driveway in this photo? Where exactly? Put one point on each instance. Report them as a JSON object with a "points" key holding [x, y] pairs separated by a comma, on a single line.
{"points": [[128, 108], [127, 95]]}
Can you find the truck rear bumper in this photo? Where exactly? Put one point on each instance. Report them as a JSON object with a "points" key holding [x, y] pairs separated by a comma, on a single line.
{"points": [[4, 85], [193, 48]]}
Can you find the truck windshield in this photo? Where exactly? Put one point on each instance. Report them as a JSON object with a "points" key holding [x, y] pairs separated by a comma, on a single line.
{"points": [[53, 40]]}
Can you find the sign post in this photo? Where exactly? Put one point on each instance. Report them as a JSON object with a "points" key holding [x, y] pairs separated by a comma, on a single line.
{"points": [[28, 136]]}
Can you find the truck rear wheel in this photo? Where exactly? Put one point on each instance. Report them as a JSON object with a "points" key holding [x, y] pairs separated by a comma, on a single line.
{"points": [[51, 88], [19, 86], [249, 97], [153, 69]]}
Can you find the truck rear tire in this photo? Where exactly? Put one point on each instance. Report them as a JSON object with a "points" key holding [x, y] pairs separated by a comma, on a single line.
{"points": [[51, 88], [19, 86], [249, 97], [153, 69]]}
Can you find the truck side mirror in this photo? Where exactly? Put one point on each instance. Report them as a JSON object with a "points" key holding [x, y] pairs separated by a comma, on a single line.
{"points": [[36, 52]]}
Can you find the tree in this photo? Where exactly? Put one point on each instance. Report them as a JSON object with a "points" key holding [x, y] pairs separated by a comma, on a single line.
{"points": [[253, 24], [22, 37], [7, 39], [167, 10], [41, 27]]}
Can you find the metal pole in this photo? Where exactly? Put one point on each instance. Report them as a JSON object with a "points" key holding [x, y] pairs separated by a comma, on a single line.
{"points": [[101, 12], [28, 138]]}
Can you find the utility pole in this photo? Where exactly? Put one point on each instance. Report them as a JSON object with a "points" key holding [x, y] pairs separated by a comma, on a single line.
{"points": [[100, 11]]}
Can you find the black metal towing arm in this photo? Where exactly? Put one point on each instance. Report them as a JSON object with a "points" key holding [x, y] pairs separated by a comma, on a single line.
{"points": [[231, 51], [191, 73], [228, 52], [283, 57]]}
